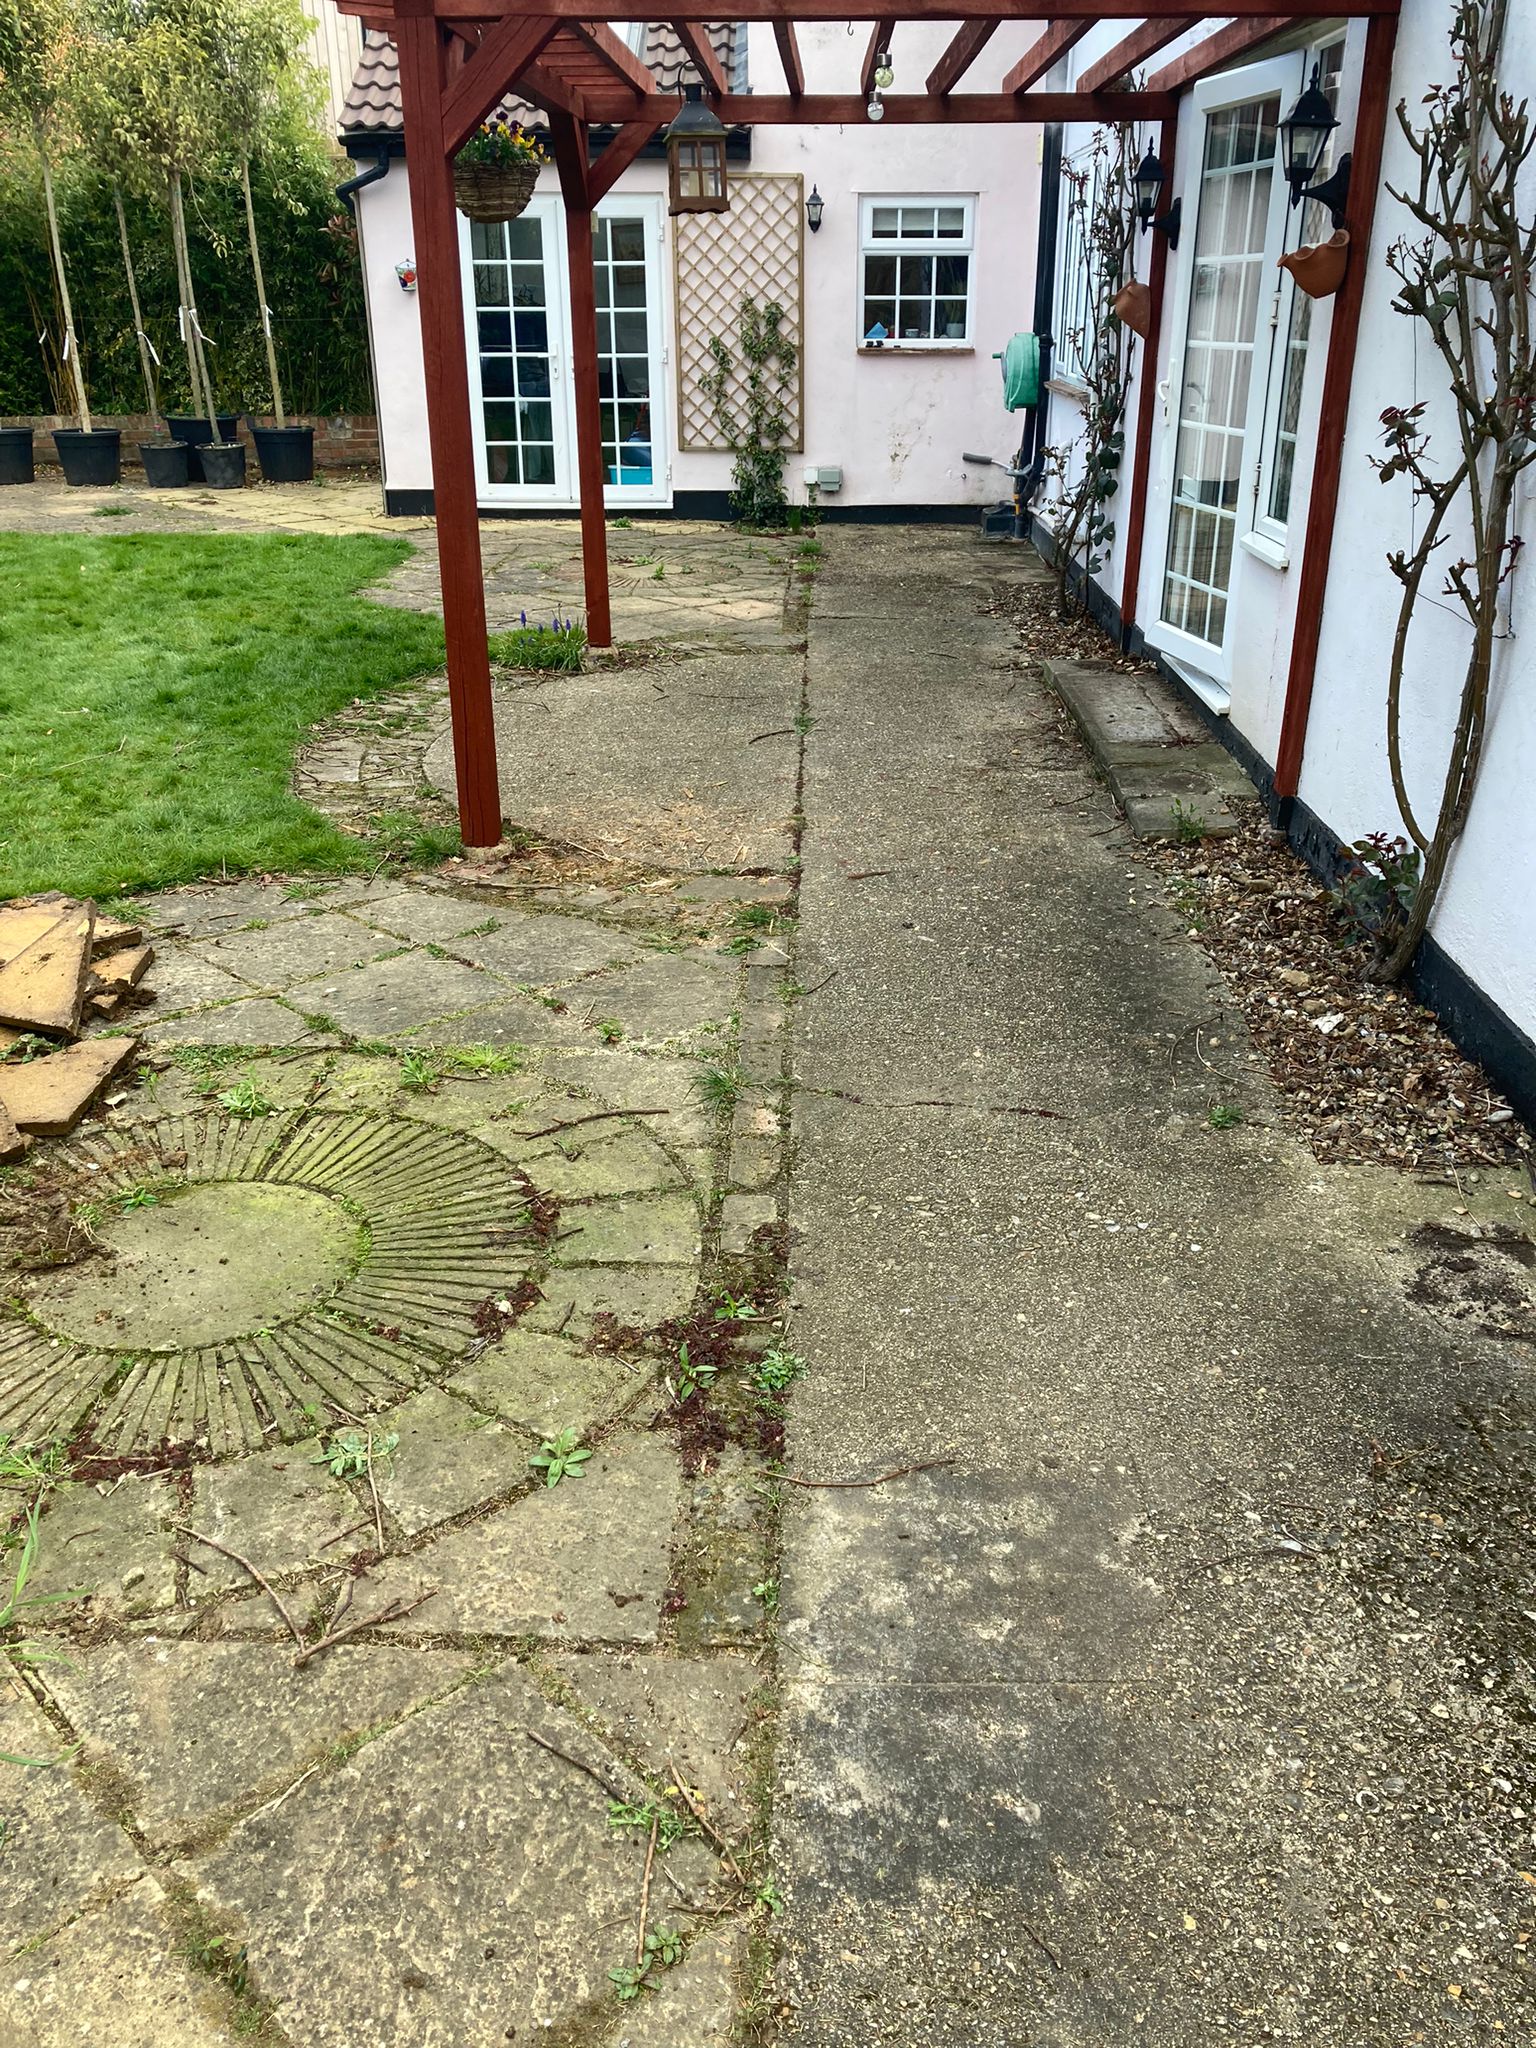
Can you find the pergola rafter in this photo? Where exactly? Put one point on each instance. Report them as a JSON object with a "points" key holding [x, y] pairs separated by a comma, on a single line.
{"points": [[460, 59]]}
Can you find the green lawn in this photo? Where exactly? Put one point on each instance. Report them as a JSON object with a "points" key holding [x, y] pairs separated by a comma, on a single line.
{"points": [[154, 689]]}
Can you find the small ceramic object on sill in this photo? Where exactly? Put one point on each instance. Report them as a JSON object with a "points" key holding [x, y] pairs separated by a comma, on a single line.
{"points": [[1319, 269], [1132, 305]]}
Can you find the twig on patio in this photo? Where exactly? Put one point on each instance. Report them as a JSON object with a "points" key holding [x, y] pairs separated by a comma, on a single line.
{"points": [[598, 1116], [397, 1610], [705, 1822], [901, 1472], [246, 1566], [645, 1888], [576, 1764]]}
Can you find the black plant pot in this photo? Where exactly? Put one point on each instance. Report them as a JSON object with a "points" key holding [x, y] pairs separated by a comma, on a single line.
{"points": [[193, 429], [223, 466], [167, 464], [95, 458], [286, 454], [16, 455]]}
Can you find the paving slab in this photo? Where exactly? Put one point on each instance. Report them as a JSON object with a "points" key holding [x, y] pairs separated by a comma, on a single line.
{"points": [[450, 1457], [546, 1384], [195, 1731], [59, 1852], [109, 1544], [116, 1976], [296, 950], [587, 1559], [480, 1918], [281, 1509], [254, 1021], [49, 1095], [661, 1230], [652, 766], [389, 997], [685, 1713], [42, 986], [1168, 774]]}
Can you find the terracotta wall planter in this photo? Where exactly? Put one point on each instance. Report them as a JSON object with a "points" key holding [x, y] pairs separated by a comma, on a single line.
{"points": [[1133, 305], [1319, 268]]}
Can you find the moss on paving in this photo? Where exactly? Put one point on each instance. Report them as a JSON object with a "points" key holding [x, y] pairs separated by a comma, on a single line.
{"points": [[155, 688]]}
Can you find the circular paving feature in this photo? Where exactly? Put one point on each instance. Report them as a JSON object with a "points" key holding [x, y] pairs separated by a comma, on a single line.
{"points": [[204, 1264], [282, 1264]]}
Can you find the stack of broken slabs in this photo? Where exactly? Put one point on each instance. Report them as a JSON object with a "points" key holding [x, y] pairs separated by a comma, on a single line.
{"points": [[63, 965]]}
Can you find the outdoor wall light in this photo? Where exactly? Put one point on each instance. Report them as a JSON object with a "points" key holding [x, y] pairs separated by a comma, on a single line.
{"points": [[1333, 191], [696, 157], [884, 75], [1305, 132], [1150, 180], [875, 109], [814, 207]]}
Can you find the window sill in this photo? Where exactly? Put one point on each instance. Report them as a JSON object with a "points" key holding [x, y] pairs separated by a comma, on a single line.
{"points": [[917, 348], [1264, 548], [1066, 387]]}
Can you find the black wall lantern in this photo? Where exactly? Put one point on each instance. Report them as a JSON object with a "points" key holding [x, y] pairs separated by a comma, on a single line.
{"points": [[813, 210], [1305, 132], [1150, 180], [696, 157]]}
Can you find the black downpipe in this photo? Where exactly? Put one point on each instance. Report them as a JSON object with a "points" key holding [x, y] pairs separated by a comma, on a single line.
{"points": [[1031, 455], [375, 173]]}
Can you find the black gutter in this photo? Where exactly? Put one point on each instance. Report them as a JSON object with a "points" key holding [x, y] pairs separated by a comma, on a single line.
{"points": [[377, 170], [1031, 456]]}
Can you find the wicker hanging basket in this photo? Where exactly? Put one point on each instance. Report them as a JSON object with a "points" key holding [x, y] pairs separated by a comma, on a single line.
{"points": [[492, 193]]}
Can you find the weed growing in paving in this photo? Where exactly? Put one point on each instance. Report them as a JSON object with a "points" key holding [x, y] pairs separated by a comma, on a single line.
{"points": [[609, 1030], [559, 646], [139, 1198], [1188, 825], [18, 1606], [694, 1374], [245, 1100], [1222, 1116], [777, 1370], [767, 1591], [639, 1814], [421, 1071], [349, 1453], [728, 1309], [719, 1086], [34, 1468], [560, 1457]]}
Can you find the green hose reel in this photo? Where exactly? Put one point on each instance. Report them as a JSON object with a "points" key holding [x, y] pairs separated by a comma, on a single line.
{"points": [[1021, 372]]}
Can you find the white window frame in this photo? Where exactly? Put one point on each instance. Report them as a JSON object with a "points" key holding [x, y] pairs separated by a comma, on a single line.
{"points": [[1273, 79], [966, 246], [1268, 538]]}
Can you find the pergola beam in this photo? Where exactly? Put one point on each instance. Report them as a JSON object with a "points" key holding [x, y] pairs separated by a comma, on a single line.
{"points": [[505, 50], [1235, 40], [1040, 56], [619, 154], [879, 39], [694, 37], [616, 54], [1192, 12], [960, 56], [789, 57], [1132, 50]]}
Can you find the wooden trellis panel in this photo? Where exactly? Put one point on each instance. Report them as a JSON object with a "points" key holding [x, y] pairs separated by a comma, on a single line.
{"points": [[757, 247]]}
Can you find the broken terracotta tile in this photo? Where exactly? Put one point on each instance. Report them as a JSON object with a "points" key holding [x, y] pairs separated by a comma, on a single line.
{"points": [[125, 969], [43, 987], [12, 1143], [49, 1096], [104, 1002]]}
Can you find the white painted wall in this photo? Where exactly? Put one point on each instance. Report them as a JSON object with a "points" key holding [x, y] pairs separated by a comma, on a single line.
{"points": [[896, 424], [1486, 918]]}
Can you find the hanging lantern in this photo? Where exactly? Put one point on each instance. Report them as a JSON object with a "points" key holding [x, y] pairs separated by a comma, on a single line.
{"points": [[884, 75], [1306, 129], [696, 157], [1150, 180], [814, 208]]}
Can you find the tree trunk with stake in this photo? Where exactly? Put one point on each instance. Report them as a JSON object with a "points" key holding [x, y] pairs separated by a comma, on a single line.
{"points": [[146, 359], [197, 360], [261, 295], [71, 341]]}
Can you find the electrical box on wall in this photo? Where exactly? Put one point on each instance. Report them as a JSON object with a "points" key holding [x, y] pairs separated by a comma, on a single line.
{"points": [[829, 479]]}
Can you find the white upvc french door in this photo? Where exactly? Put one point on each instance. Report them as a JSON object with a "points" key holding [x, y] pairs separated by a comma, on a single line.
{"points": [[1235, 208], [522, 387]]}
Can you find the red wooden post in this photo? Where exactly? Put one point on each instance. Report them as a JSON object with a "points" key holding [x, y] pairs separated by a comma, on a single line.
{"points": [[1338, 376], [450, 429], [1146, 396], [570, 146]]}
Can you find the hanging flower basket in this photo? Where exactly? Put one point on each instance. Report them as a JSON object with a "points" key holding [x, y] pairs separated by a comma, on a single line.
{"points": [[495, 172], [1319, 268]]}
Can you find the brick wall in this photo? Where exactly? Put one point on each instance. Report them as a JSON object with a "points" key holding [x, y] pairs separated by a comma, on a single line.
{"points": [[342, 440]]}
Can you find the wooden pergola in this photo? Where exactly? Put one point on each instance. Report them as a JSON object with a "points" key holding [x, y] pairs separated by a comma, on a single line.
{"points": [[459, 59]]}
